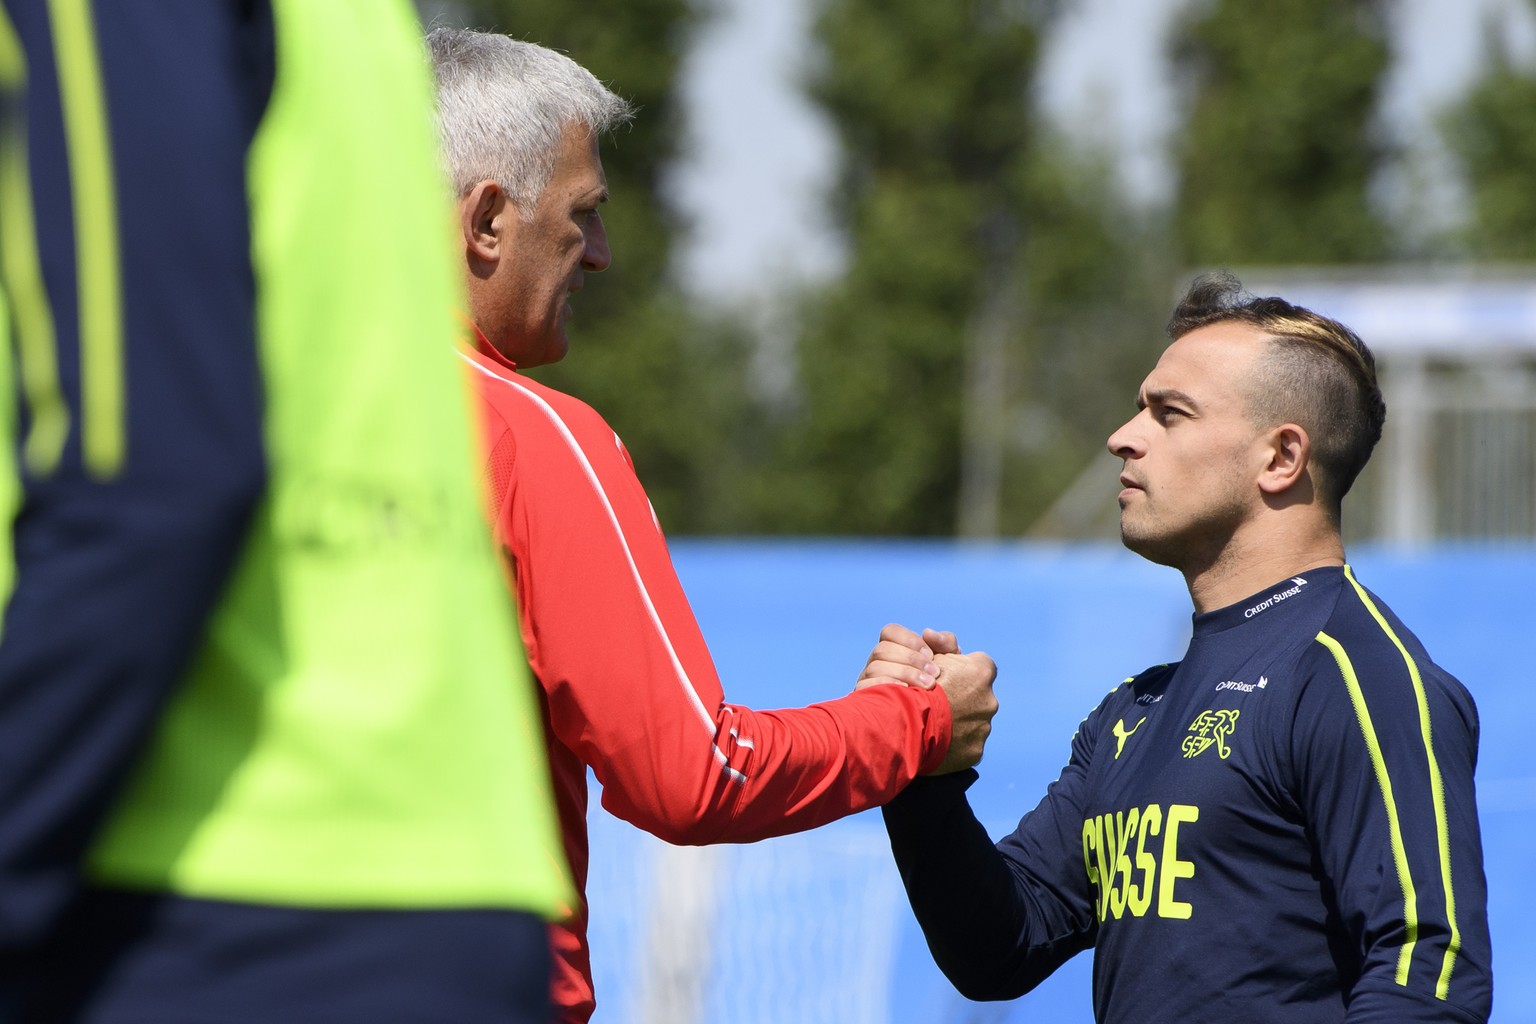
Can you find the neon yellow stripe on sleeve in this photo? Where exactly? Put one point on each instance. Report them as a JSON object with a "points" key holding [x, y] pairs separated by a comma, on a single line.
{"points": [[34, 319], [96, 238], [22, 273], [1378, 762], [13, 63], [1436, 787]]}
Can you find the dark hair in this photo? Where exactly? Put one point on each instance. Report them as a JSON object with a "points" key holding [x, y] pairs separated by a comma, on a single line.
{"points": [[1318, 374]]}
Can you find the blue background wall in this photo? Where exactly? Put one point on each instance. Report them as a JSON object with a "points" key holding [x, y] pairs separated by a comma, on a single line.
{"points": [[791, 623]]}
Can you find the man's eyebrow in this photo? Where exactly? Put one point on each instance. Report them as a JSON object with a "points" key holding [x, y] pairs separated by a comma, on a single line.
{"points": [[1164, 396]]}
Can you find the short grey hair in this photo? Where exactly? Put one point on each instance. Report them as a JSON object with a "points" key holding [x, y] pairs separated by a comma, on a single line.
{"points": [[503, 106]]}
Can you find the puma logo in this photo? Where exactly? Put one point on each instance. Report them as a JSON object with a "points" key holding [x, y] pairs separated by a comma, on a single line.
{"points": [[1122, 734]]}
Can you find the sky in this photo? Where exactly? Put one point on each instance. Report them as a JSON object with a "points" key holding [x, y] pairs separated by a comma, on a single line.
{"points": [[761, 157]]}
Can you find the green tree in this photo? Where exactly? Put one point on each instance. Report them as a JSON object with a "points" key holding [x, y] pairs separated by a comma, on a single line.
{"points": [[1493, 133], [931, 103], [973, 357], [1278, 151], [672, 383], [1098, 276]]}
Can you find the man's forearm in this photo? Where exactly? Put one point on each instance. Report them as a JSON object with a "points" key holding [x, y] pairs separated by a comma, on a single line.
{"points": [[978, 919]]}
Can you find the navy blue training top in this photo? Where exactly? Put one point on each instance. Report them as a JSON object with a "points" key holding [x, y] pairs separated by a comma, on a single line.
{"points": [[1281, 827]]}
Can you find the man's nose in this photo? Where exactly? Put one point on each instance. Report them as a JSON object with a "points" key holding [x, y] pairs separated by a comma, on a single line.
{"points": [[595, 258], [1123, 443]]}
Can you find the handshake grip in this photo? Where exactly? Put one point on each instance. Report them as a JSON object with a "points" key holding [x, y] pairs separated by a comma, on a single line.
{"points": [[930, 659], [967, 681]]}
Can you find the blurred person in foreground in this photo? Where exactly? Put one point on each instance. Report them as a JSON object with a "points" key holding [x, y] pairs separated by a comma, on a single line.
{"points": [[268, 749], [629, 686], [1282, 826]]}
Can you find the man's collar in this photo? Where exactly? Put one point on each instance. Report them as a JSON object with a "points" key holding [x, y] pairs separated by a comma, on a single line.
{"points": [[474, 338]]}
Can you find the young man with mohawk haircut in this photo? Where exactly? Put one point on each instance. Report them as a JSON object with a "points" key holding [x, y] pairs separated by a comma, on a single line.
{"points": [[1280, 827]]}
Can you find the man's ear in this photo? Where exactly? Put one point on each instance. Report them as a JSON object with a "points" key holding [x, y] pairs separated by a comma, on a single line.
{"points": [[482, 212], [1290, 455]]}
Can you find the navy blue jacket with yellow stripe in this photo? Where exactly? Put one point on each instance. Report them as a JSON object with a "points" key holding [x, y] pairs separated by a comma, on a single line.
{"points": [[1280, 827]]}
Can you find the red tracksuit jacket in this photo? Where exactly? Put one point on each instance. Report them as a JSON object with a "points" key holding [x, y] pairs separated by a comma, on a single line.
{"points": [[629, 687]]}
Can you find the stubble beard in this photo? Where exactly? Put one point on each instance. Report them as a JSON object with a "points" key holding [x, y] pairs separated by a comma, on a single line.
{"points": [[1195, 546]]}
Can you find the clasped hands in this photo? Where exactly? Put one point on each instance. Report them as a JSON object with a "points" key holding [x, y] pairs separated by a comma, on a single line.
{"points": [[903, 657]]}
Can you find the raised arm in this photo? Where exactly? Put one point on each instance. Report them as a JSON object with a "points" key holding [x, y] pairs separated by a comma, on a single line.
{"points": [[999, 918], [904, 656], [630, 684]]}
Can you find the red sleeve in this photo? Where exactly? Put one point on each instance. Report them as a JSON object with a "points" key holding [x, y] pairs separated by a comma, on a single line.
{"points": [[631, 687]]}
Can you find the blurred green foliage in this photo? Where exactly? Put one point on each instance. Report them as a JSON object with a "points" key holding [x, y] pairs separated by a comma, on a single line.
{"points": [[960, 373], [929, 101], [1493, 132], [1001, 297], [1278, 152]]}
